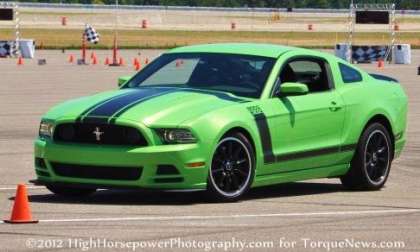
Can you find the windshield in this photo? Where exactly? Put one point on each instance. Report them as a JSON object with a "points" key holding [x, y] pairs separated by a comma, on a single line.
{"points": [[241, 75]]}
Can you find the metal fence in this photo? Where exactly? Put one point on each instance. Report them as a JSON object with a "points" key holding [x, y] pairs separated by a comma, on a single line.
{"points": [[182, 8]]}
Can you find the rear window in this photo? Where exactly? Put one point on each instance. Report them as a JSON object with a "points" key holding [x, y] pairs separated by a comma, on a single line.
{"points": [[349, 75]]}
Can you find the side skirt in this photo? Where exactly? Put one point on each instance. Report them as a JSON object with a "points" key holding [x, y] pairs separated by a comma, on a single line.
{"points": [[298, 175]]}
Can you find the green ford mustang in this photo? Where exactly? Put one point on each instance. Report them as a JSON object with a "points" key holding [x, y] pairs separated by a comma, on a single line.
{"points": [[225, 118]]}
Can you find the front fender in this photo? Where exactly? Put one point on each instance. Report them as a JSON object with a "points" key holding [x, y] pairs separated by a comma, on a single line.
{"points": [[213, 126]]}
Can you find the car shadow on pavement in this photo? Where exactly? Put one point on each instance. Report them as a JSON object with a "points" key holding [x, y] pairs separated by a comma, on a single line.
{"points": [[139, 197]]}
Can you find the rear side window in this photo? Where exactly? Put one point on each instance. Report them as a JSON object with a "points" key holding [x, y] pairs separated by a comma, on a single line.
{"points": [[311, 72], [349, 75]]}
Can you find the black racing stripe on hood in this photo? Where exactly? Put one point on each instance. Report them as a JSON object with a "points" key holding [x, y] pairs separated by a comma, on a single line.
{"points": [[123, 110], [222, 96], [109, 108], [80, 117], [172, 90]]}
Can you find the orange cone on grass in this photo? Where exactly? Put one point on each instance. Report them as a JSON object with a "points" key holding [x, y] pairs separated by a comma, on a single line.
{"points": [[21, 212]]}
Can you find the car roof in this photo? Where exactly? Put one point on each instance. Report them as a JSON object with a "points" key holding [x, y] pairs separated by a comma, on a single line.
{"points": [[255, 49]]}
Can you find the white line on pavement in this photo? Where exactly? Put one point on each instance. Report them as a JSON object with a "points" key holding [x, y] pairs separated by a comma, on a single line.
{"points": [[14, 188], [239, 216]]}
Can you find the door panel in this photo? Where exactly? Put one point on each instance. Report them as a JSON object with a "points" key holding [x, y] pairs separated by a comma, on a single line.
{"points": [[305, 131]]}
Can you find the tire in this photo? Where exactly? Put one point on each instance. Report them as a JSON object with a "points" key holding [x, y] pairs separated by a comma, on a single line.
{"points": [[67, 191], [232, 168], [371, 164]]}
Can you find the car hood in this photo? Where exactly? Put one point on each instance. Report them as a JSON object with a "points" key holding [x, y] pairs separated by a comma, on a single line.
{"points": [[150, 106]]}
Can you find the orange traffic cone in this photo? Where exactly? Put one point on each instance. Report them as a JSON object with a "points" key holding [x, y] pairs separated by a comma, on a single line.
{"points": [[121, 63], [107, 61], [20, 61], [94, 60], [71, 58], [21, 212], [93, 55], [381, 63], [137, 66], [135, 61], [146, 61], [178, 63]]}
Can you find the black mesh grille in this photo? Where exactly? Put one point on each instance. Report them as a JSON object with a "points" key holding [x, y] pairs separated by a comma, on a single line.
{"points": [[97, 172], [99, 134]]}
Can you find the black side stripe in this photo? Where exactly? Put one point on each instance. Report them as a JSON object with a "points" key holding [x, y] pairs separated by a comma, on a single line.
{"points": [[267, 147], [314, 153], [348, 147], [104, 111], [265, 138], [298, 170]]}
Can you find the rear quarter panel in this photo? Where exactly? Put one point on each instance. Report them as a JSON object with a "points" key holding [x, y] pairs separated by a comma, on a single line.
{"points": [[368, 98]]}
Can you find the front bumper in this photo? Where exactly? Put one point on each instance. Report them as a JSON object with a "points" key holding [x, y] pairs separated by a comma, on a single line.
{"points": [[146, 159]]}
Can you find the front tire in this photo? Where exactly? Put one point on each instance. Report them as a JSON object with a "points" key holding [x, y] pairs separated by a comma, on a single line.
{"points": [[371, 163], [232, 168], [70, 191]]}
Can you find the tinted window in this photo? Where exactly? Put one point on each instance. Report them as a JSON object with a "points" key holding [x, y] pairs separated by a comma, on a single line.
{"points": [[242, 75], [349, 74]]}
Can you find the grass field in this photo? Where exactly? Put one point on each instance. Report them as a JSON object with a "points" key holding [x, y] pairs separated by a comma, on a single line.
{"points": [[71, 38]]}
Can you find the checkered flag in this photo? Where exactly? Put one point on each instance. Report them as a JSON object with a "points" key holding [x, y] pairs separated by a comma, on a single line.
{"points": [[91, 35], [5, 49]]}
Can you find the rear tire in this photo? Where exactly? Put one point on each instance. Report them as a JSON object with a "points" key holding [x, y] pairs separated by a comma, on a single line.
{"points": [[232, 168], [67, 191], [371, 164]]}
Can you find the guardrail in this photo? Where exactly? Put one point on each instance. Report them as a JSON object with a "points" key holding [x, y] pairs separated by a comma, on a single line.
{"points": [[189, 8], [182, 8]]}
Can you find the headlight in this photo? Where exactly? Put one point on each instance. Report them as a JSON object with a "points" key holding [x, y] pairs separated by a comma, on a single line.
{"points": [[176, 136], [46, 129]]}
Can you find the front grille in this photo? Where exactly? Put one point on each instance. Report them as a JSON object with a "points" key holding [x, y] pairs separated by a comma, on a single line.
{"points": [[108, 134], [96, 172]]}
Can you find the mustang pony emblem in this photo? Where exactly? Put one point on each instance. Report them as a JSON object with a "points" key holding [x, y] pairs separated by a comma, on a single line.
{"points": [[98, 133]]}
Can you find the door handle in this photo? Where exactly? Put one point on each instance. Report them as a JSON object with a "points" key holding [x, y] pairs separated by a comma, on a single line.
{"points": [[334, 106]]}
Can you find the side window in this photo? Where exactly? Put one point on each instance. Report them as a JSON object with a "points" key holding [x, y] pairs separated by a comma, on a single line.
{"points": [[349, 75], [310, 72]]}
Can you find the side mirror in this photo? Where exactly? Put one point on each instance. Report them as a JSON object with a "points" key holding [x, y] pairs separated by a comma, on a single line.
{"points": [[291, 88], [122, 80]]}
